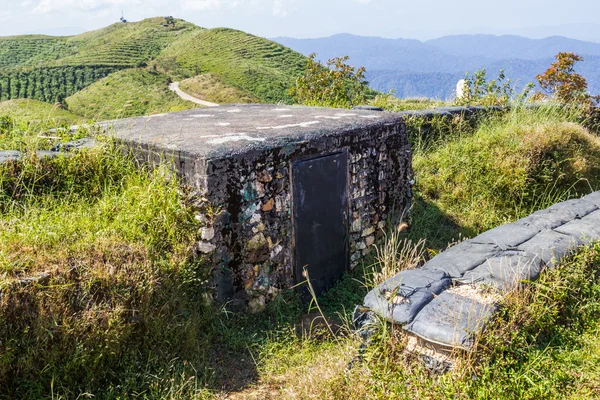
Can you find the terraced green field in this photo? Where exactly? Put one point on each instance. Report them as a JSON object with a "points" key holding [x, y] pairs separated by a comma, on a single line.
{"points": [[250, 63], [130, 44], [53, 68], [31, 50]]}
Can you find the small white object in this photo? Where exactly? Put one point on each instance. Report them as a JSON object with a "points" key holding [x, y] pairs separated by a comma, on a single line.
{"points": [[460, 89]]}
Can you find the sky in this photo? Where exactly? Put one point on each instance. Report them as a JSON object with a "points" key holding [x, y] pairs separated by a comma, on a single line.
{"points": [[425, 19]]}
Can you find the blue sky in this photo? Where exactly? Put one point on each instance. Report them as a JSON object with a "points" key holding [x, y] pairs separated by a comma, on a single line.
{"points": [[312, 18]]}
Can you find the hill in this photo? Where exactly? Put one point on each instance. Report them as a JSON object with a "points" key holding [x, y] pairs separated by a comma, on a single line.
{"points": [[431, 69], [127, 93], [254, 65], [50, 68], [510, 46]]}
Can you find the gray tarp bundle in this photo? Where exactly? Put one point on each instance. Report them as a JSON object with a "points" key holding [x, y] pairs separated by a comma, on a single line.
{"points": [[422, 301], [61, 148]]}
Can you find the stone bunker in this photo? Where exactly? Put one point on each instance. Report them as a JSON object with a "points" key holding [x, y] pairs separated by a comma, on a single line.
{"points": [[282, 189]]}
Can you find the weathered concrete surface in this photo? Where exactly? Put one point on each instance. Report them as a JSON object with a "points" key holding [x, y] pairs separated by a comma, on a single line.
{"points": [[239, 159], [485, 268], [231, 130]]}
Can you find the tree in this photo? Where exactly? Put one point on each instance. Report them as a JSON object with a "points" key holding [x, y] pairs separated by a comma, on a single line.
{"points": [[563, 83], [337, 85]]}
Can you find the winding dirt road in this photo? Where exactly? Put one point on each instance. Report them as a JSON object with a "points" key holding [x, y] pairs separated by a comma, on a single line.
{"points": [[175, 88]]}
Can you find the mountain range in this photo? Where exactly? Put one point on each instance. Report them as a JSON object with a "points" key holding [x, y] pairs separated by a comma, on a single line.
{"points": [[414, 68]]}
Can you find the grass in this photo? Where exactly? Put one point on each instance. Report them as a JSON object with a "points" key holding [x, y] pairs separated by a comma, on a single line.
{"points": [[210, 87], [127, 93], [391, 103], [512, 165], [37, 112], [121, 312], [114, 244], [125, 45], [29, 125]]}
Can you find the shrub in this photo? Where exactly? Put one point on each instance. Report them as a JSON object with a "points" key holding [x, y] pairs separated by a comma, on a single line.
{"points": [[497, 92], [339, 85]]}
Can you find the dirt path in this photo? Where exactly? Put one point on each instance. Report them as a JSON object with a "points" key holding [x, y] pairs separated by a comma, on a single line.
{"points": [[175, 88]]}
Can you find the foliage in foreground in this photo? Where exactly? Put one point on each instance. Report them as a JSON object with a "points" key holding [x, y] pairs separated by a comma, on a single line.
{"points": [[563, 84], [543, 344], [120, 313], [96, 264], [512, 165]]}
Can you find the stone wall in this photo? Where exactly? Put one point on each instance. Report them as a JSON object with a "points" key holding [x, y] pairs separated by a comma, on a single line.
{"points": [[240, 161], [248, 237]]}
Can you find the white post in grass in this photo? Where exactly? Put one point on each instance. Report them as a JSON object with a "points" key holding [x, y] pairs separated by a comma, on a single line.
{"points": [[460, 89]]}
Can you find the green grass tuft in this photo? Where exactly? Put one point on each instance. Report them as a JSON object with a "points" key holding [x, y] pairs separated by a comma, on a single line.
{"points": [[510, 166]]}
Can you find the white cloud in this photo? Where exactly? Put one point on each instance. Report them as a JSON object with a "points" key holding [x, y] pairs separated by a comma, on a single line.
{"points": [[363, 1], [207, 5], [47, 6], [279, 8]]}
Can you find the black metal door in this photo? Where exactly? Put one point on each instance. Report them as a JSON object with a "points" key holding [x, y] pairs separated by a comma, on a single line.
{"points": [[320, 219]]}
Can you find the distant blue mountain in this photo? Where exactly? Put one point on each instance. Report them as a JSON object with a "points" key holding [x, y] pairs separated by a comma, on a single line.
{"points": [[431, 69]]}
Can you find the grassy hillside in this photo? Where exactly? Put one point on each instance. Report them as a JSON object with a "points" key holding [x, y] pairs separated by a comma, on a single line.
{"points": [[127, 93], [53, 68], [131, 44], [210, 87], [255, 65], [123, 45], [37, 112]]}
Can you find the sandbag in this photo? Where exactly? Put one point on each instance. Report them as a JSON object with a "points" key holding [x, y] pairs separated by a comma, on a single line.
{"points": [[9, 155], [507, 236], [585, 230], [401, 297], [451, 320], [550, 244], [578, 208], [462, 257], [593, 198], [505, 271], [593, 217]]}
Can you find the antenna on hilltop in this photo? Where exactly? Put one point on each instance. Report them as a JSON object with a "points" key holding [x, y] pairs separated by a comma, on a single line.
{"points": [[123, 20]]}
